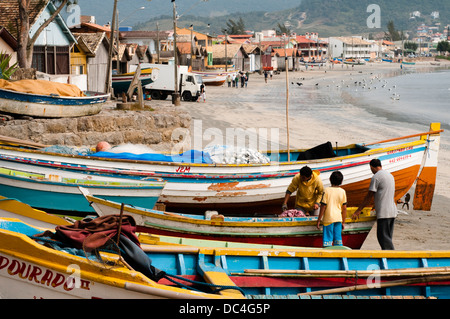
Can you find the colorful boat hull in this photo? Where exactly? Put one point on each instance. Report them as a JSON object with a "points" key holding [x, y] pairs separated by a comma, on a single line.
{"points": [[255, 188], [121, 82], [60, 191], [307, 274], [49, 106], [286, 231], [28, 269], [214, 78], [12, 208]]}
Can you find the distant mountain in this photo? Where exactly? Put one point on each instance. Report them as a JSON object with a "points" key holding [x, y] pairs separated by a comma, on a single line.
{"points": [[350, 17], [129, 9], [328, 17]]}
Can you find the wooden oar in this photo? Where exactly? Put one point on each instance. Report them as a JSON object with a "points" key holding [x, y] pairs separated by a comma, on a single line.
{"points": [[18, 142], [401, 282], [404, 137], [405, 272]]}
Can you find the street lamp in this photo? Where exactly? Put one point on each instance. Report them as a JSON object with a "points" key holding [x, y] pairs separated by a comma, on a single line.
{"points": [[141, 8], [176, 95]]}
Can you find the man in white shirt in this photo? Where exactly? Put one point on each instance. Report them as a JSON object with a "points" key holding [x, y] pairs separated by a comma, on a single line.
{"points": [[382, 191]]}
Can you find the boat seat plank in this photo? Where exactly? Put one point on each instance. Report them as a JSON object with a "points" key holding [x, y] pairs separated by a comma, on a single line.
{"points": [[216, 276]]}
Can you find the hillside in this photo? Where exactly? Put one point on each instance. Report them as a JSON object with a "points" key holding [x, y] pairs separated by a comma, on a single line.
{"points": [[346, 16], [129, 9], [329, 18]]}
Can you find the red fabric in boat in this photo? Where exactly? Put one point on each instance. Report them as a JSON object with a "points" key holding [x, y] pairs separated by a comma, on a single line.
{"points": [[96, 233]]}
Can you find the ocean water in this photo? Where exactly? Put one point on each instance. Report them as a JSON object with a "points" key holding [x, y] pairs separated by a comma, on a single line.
{"points": [[379, 100], [406, 96]]}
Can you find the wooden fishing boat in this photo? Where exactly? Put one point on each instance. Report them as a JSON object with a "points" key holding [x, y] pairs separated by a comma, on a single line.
{"points": [[59, 190], [304, 274], [194, 187], [30, 269], [408, 63], [355, 61], [52, 104], [313, 63], [287, 231], [386, 60], [215, 78], [122, 82], [12, 208]]}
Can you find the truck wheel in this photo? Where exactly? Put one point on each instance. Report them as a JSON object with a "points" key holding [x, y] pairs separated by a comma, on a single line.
{"points": [[156, 95], [187, 96]]}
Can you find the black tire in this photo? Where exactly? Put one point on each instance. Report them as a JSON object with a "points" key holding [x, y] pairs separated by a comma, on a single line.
{"points": [[156, 95], [187, 96]]}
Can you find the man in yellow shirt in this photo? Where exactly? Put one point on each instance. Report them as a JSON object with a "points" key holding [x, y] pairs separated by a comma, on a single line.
{"points": [[333, 210], [309, 188]]}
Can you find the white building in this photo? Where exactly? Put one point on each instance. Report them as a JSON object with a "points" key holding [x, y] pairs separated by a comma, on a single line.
{"points": [[349, 48]]}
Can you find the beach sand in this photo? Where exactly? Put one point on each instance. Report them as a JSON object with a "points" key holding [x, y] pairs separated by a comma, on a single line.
{"points": [[321, 110]]}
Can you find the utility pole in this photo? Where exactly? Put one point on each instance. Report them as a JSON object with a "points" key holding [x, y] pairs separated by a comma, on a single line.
{"points": [[111, 44], [226, 52], [176, 94], [157, 40]]}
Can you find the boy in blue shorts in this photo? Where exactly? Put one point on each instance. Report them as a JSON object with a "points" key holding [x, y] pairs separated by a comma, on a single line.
{"points": [[333, 211]]}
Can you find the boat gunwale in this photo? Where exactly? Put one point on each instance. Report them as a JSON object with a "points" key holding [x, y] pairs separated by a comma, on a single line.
{"points": [[296, 252], [311, 221]]}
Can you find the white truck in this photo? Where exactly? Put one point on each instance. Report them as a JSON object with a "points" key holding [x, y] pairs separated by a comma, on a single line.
{"points": [[164, 85]]}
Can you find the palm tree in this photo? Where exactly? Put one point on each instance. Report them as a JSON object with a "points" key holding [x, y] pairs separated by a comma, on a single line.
{"points": [[5, 70]]}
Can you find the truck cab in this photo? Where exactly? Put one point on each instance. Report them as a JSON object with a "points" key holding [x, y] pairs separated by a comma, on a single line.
{"points": [[190, 86]]}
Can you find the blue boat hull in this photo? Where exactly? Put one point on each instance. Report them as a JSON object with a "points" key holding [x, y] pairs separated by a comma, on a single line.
{"points": [[67, 201], [51, 106], [291, 285], [90, 98]]}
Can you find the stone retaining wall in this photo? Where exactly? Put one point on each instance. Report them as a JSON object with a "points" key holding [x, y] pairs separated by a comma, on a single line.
{"points": [[149, 127]]}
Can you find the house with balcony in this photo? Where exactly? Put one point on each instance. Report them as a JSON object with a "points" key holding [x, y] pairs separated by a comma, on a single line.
{"points": [[349, 48]]}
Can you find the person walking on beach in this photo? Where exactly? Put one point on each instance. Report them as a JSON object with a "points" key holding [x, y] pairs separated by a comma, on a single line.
{"points": [[265, 76], [381, 191], [333, 211], [202, 93], [233, 77], [229, 80], [309, 188], [236, 80]]}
